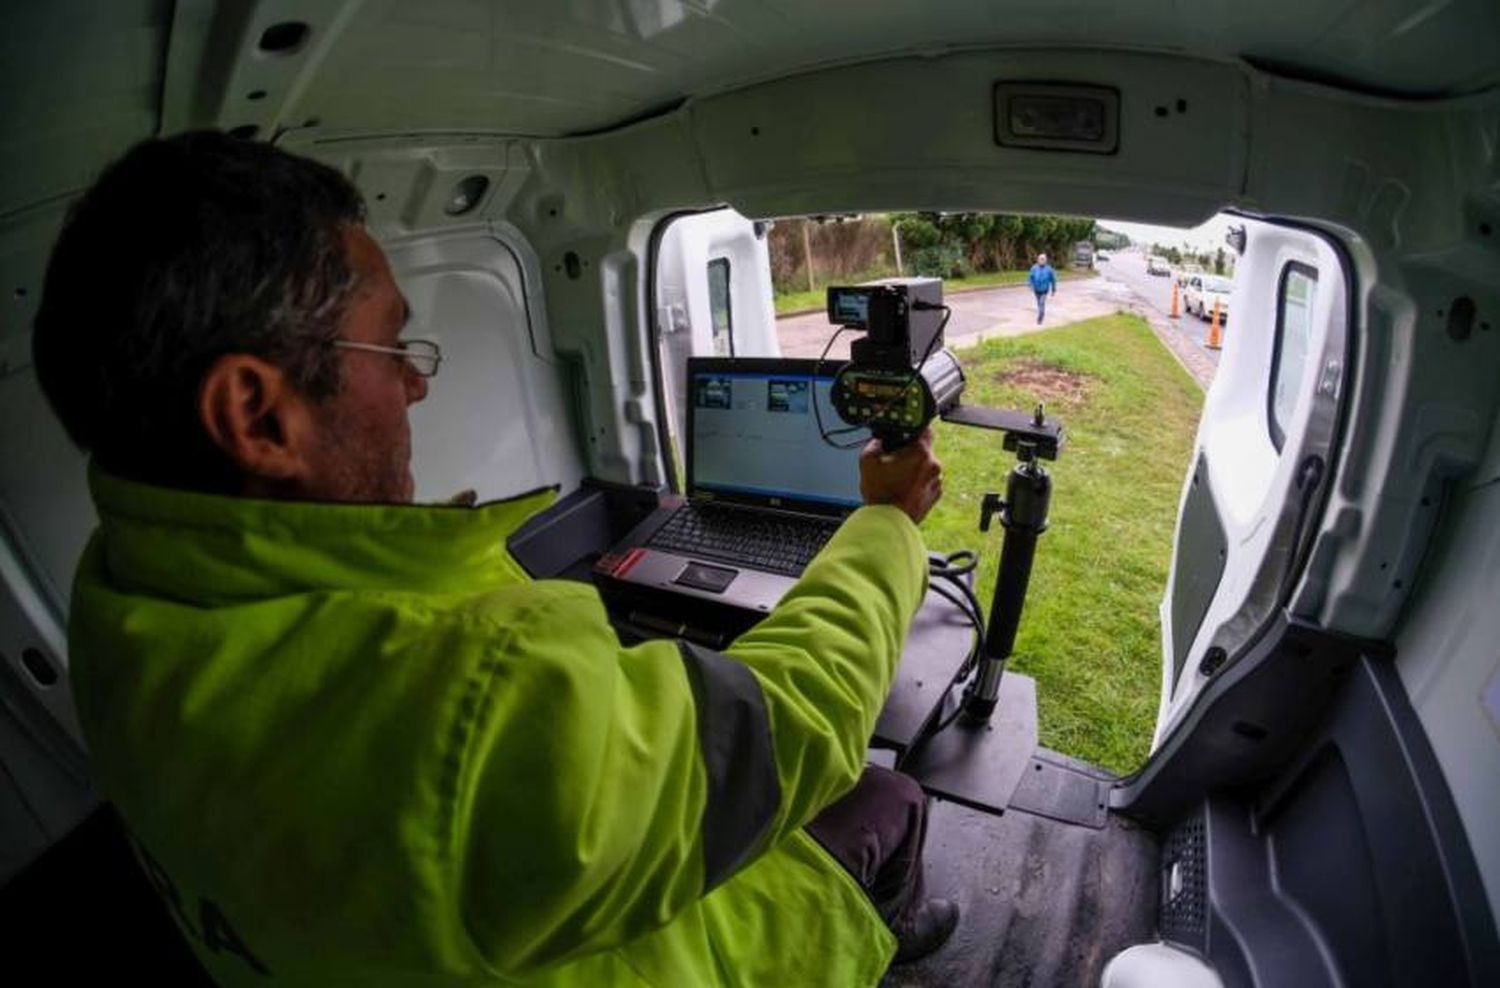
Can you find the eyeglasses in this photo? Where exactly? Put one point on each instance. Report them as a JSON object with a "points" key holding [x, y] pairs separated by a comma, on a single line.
{"points": [[423, 356]]}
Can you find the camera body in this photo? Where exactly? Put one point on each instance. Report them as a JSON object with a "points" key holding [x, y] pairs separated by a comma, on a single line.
{"points": [[902, 319], [899, 377]]}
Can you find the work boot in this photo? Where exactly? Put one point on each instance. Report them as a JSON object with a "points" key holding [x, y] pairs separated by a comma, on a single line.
{"points": [[924, 929]]}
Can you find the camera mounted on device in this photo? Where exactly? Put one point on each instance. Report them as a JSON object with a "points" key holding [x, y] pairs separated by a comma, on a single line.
{"points": [[898, 379], [900, 376]]}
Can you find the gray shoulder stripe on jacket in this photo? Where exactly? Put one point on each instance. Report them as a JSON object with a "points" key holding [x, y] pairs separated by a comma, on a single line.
{"points": [[734, 734]]}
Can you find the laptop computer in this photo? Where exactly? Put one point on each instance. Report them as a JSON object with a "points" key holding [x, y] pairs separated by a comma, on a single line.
{"points": [[765, 491]]}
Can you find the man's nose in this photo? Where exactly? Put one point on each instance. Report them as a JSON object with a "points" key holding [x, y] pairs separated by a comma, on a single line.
{"points": [[416, 386]]}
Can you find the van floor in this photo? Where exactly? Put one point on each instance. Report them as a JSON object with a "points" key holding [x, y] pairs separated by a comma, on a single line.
{"points": [[1043, 902]]}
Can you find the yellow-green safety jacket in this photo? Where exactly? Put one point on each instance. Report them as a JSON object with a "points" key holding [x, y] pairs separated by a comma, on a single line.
{"points": [[356, 744]]}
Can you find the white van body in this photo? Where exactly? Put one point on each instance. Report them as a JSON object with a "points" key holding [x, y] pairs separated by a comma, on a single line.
{"points": [[556, 186]]}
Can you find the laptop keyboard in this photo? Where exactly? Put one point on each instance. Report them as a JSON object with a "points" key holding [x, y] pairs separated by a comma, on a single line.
{"points": [[775, 543]]}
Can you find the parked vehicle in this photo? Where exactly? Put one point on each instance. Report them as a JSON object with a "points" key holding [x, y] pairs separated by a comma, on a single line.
{"points": [[1158, 266], [1083, 254], [1204, 292]]}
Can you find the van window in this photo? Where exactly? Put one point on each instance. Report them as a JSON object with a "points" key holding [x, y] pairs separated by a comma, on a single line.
{"points": [[1294, 306], [718, 304]]}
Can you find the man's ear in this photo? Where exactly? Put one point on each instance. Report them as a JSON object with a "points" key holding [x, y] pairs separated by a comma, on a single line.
{"points": [[249, 410]]}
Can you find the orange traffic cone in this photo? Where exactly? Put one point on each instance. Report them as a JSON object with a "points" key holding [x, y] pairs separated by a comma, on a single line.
{"points": [[1215, 337], [1174, 298]]}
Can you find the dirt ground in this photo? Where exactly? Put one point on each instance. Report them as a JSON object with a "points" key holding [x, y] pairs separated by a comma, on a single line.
{"points": [[1048, 382]]}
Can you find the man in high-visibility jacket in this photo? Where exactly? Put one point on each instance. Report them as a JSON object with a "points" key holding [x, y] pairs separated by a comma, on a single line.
{"points": [[353, 743]]}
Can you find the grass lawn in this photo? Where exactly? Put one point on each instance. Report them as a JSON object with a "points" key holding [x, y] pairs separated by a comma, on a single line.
{"points": [[791, 303], [1089, 634]]}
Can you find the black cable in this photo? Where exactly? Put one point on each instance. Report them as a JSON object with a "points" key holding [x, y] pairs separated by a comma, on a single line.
{"points": [[818, 367], [946, 722], [964, 599], [957, 569], [824, 433], [960, 563], [958, 601]]}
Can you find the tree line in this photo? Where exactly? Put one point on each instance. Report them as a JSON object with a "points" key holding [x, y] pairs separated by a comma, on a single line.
{"points": [[807, 253], [952, 245]]}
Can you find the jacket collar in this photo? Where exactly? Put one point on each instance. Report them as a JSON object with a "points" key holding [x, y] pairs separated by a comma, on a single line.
{"points": [[209, 549]]}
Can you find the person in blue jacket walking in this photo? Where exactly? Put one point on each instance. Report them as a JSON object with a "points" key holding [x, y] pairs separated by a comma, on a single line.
{"points": [[1043, 280]]}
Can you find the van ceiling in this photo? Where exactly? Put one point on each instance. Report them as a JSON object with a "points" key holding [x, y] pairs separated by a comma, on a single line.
{"points": [[82, 80], [556, 68]]}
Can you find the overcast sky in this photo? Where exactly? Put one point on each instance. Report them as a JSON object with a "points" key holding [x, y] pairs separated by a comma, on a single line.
{"points": [[1205, 237]]}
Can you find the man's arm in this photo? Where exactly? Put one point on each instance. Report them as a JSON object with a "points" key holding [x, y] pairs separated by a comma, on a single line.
{"points": [[608, 790], [832, 646]]}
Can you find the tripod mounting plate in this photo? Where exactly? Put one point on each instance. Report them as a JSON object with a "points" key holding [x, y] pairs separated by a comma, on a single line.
{"points": [[1046, 437]]}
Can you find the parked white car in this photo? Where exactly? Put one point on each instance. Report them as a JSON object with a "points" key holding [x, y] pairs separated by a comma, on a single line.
{"points": [[1158, 266], [1203, 292]]}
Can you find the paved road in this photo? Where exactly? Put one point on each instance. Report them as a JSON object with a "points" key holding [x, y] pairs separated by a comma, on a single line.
{"points": [[1122, 285], [1129, 268], [977, 315]]}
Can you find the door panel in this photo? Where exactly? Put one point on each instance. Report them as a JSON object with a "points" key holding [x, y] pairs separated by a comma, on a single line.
{"points": [[1260, 464], [1201, 550], [497, 417], [713, 297]]}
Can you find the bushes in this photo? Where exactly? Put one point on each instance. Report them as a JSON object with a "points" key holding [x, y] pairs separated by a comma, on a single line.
{"points": [[942, 245], [989, 241], [944, 260], [843, 250]]}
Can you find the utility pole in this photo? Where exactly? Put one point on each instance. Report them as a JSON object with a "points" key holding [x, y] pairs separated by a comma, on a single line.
{"points": [[896, 240], [807, 252]]}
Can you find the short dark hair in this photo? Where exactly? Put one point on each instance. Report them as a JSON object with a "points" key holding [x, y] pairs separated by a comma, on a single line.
{"points": [[186, 249]]}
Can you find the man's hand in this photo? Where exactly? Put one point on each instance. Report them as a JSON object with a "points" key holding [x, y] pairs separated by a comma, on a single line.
{"points": [[910, 478]]}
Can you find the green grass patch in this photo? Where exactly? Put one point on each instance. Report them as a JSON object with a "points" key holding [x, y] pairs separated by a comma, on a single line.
{"points": [[792, 303], [1089, 634]]}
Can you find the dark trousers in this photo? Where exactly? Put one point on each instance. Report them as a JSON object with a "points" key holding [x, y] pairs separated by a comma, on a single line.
{"points": [[876, 832]]}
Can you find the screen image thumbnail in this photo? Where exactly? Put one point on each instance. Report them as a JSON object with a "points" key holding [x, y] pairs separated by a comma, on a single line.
{"points": [[787, 396], [712, 392]]}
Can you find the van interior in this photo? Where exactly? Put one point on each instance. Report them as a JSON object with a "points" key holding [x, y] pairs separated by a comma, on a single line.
{"points": [[574, 197]]}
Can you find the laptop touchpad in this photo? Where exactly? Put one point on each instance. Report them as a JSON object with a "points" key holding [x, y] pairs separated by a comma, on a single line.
{"points": [[700, 576]]}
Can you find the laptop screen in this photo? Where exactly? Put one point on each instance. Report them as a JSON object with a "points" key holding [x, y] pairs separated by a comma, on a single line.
{"points": [[755, 434]]}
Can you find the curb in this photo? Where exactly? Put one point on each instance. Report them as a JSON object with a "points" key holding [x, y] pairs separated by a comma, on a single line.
{"points": [[1198, 367]]}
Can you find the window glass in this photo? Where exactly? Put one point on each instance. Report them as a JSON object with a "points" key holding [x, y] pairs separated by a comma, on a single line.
{"points": [[1294, 306], [718, 305]]}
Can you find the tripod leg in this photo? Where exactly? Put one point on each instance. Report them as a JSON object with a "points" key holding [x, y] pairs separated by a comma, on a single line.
{"points": [[1028, 494]]}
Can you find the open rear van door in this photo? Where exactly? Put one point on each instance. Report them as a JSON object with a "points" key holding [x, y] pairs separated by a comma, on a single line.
{"points": [[713, 297], [1260, 464]]}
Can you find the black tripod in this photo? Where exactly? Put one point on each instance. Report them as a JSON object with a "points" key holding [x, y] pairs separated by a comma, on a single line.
{"points": [[1023, 516]]}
